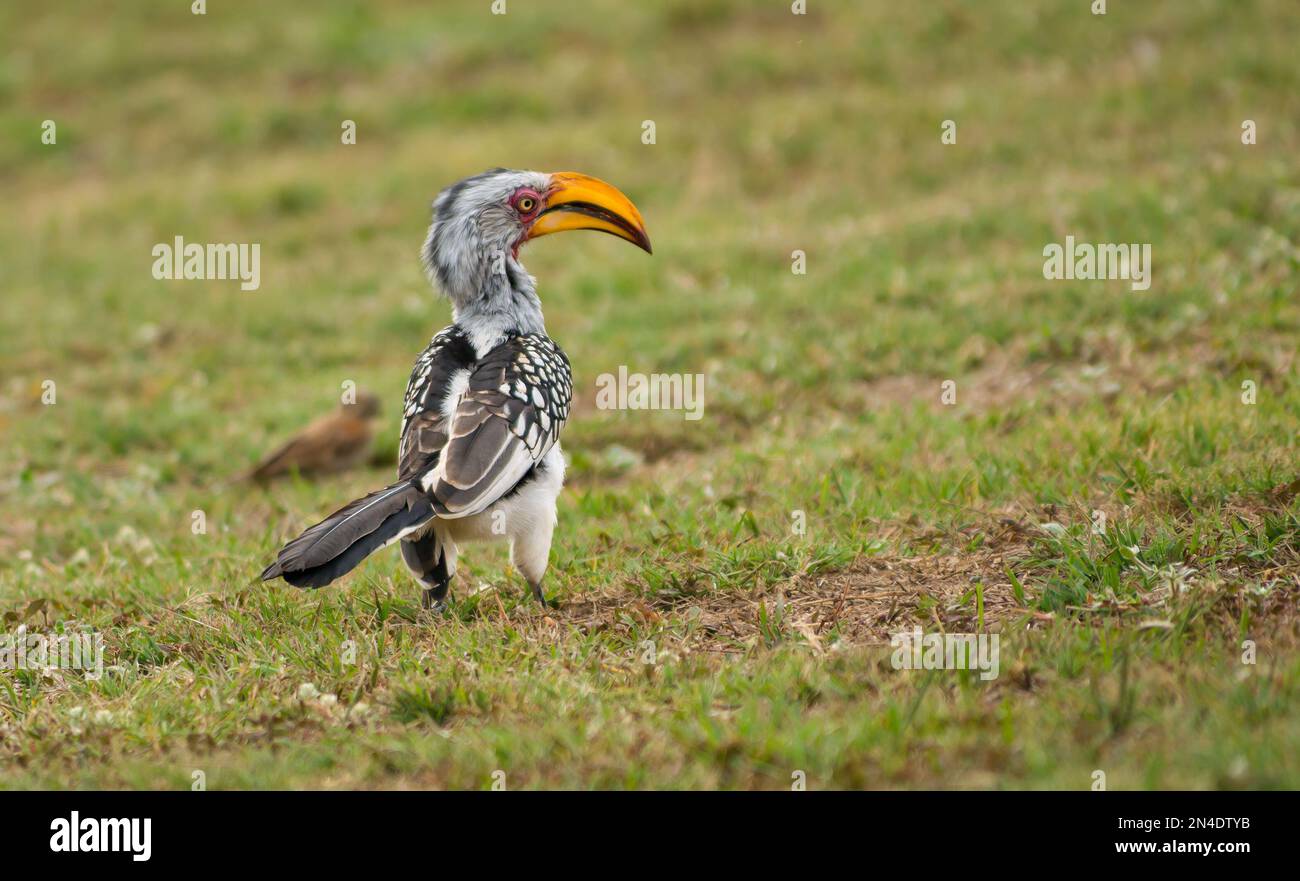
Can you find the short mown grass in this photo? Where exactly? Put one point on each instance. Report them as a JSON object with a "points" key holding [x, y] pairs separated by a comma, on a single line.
{"points": [[1113, 492]]}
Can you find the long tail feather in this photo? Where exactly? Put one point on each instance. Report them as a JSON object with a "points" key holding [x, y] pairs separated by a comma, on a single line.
{"points": [[334, 547]]}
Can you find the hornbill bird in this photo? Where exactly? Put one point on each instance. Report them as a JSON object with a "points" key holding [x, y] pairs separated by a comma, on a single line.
{"points": [[479, 455]]}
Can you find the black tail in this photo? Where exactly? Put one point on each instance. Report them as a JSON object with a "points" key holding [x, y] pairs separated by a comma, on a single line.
{"points": [[333, 547]]}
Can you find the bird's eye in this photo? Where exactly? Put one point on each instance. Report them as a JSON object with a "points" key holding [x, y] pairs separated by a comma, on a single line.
{"points": [[526, 205]]}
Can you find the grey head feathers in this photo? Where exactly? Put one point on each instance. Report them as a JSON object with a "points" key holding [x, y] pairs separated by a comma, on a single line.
{"points": [[470, 254]]}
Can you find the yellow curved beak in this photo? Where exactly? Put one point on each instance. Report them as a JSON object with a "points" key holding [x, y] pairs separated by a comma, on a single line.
{"points": [[576, 201]]}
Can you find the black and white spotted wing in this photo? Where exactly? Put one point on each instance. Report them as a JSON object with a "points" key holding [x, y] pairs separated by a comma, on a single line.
{"points": [[508, 418], [472, 430], [425, 421]]}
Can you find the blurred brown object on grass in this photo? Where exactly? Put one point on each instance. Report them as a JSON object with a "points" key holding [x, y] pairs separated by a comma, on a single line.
{"points": [[337, 441]]}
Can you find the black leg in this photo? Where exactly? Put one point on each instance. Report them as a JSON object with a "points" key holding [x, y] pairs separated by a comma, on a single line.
{"points": [[435, 598], [437, 584], [429, 563], [537, 593]]}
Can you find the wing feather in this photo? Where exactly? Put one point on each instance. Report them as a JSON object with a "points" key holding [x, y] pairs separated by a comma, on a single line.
{"points": [[508, 419], [425, 422]]}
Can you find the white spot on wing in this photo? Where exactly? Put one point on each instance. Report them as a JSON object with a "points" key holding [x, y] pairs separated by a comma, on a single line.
{"points": [[456, 387]]}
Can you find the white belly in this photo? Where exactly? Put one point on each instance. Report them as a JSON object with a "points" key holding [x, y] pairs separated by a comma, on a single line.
{"points": [[528, 512]]}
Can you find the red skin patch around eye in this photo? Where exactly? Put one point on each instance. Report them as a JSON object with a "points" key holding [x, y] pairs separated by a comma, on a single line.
{"points": [[525, 217], [526, 193]]}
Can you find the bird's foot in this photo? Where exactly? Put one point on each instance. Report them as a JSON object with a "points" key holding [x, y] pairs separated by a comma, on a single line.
{"points": [[541, 597], [434, 600]]}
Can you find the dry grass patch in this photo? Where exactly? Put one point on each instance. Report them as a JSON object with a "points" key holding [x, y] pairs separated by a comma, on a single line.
{"points": [[863, 604]]}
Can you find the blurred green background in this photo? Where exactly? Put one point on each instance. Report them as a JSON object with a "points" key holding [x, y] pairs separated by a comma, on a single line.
{"points": [[774, 133]]}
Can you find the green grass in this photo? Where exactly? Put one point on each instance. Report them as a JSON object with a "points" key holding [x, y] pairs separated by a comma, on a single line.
{"points": [[1121, 651]]}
